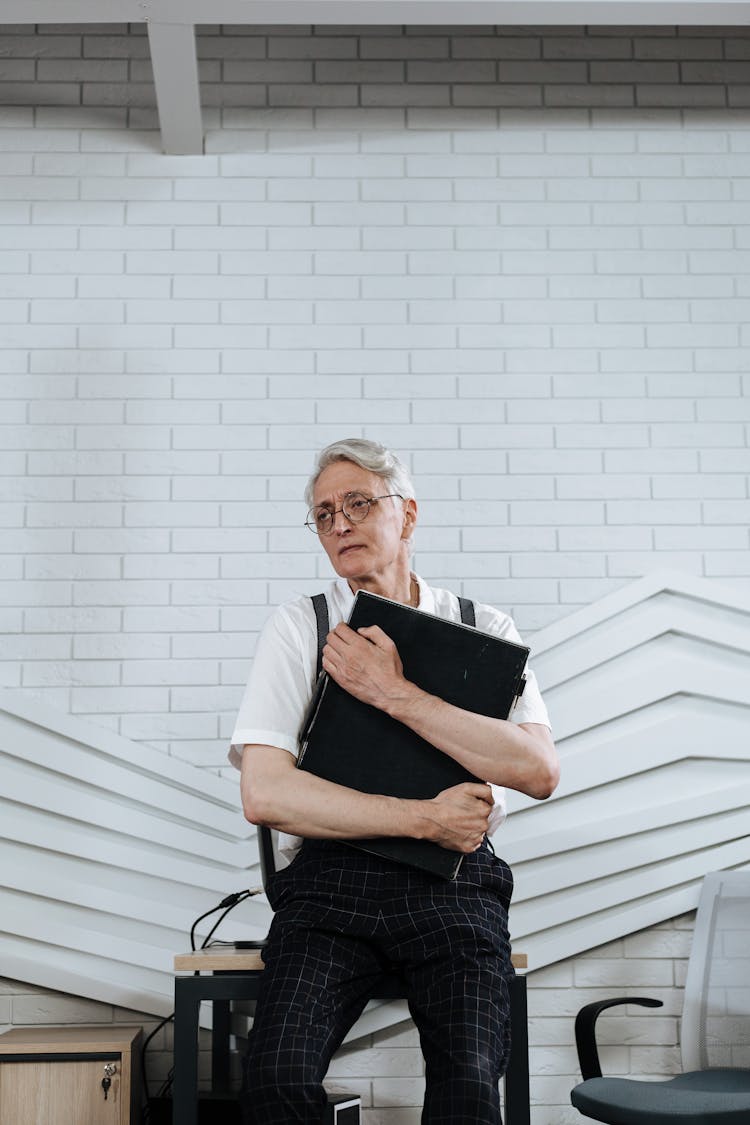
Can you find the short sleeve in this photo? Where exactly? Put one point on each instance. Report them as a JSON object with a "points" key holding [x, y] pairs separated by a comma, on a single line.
{"points": [[530, 707], [280, 683]]}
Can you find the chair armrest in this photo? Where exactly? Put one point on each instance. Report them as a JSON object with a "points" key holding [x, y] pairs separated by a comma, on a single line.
{"points": [[588, 1055]]}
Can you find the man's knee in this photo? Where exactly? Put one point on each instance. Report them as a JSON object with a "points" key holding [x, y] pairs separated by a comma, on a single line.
{"points": [[282, 1086], [467, 1090]]}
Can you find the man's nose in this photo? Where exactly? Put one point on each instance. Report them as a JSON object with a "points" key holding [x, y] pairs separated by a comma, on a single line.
{"points": [[340, 522]]}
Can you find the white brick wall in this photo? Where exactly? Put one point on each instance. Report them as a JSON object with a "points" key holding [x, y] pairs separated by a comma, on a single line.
{"points": [[522, 258]]}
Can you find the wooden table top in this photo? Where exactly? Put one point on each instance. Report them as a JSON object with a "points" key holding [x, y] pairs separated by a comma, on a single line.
{"points": [[74, 1039], [225, 958]]}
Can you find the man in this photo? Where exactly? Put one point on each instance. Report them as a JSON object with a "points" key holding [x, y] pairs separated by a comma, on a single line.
{"points": [[343, 916]]}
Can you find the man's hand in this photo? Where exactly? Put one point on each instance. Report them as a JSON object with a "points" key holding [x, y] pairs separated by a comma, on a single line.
{"points": [[459, 816], [366, 663]]}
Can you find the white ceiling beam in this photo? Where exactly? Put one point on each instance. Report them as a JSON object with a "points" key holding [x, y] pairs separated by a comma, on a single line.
{"points": [[458, 12], [171, 29], [175, 66], [373, 12], [71, 11]]}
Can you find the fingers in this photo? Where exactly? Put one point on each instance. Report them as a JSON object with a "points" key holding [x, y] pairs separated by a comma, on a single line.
{"points": [[367, 653], [376, 635], [341, 637], [338, 645], [478, 789], [463, 816], [468, 843], [346, 636], [345, 643]]}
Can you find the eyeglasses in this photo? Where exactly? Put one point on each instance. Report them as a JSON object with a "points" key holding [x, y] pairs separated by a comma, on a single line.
{"points": [[356, 507]]}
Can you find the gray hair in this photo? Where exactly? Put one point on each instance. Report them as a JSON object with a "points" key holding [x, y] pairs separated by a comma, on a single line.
{"points": [[370, 455]]}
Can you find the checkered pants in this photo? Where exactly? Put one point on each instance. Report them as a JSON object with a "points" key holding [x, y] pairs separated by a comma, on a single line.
{"points": [[342, 918]]}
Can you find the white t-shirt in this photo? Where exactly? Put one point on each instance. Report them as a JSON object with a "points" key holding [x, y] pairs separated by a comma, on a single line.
{"points": [[282, 678]]}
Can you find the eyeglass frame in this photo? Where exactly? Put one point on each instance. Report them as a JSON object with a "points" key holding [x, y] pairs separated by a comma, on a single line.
{"points": [[333, 512]]}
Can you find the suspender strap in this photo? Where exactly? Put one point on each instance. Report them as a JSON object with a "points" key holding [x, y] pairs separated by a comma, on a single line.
{"points": [[468, 616], [320, 605]]}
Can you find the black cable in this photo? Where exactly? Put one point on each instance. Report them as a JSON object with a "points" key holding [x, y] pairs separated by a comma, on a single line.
{"points": [[230, 901], [227, 904], [244, 895], [166, 1085], [144, 1076]]}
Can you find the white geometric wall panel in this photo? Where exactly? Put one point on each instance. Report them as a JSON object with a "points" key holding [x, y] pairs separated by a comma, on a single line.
{"points": [[110, 849], [649, 697]]}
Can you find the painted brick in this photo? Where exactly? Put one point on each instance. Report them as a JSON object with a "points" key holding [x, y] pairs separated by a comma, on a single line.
{"points": [[610, 487], [629, 564], [715, 486], [653, 511], [733, 538], [725, 511], [605, 538], [728, 564], [483, 262]]}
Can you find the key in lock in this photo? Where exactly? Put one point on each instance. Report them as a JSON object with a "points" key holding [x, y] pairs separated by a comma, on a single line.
{"points": [[109, 1070]]}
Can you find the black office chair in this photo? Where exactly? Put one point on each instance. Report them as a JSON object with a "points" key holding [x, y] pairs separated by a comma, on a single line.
{"points": [[714, 1088]]}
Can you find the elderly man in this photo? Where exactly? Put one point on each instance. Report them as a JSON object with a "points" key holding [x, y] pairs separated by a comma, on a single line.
{"points": [[342, 916]]}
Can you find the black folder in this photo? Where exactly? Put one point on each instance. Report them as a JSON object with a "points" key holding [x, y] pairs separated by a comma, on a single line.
{"points": [[354, 744]]}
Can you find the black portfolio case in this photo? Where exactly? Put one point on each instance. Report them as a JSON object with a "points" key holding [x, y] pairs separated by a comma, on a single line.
{"points": [[354, 744]]}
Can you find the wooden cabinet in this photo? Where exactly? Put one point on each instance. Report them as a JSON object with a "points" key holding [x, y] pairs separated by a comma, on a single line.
{"points": [[53, 1076]]}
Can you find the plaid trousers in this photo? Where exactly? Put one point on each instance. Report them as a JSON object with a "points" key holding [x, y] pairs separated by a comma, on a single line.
{"points": [[343, 918]]}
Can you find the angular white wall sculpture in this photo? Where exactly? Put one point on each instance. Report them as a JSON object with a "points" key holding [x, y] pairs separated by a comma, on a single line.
{"points": [[110, 850], [649, 694]]}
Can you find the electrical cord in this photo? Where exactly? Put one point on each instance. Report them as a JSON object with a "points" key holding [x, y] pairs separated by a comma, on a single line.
{"points": [[146, 1041], [226, 905]]}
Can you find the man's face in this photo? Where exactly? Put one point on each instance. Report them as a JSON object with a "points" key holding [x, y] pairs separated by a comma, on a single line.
{"points": [[379, 543]]}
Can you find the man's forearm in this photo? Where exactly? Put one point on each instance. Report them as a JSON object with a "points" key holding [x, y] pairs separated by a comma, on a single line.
{"points": [[306, 805], [277, 795], [497, 750]]}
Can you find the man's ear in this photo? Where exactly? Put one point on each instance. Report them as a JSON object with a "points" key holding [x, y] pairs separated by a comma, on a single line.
{"points": [[410, 518]]}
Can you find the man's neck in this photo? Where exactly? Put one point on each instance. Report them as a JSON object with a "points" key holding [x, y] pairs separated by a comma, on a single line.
{"points": [[404, 590]]}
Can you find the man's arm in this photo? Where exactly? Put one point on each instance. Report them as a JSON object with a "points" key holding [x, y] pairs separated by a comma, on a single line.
{"points": [[518, 756], [275, 793]]}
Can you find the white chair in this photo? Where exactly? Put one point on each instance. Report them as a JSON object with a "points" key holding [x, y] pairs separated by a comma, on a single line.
{"points": [[714, 1088]]}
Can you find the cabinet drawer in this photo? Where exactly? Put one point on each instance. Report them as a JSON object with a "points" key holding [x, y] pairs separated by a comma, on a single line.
{"points": [[53, 1076]]}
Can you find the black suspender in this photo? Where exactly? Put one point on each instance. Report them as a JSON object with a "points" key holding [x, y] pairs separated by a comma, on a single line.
{"points": [[468, 615], [320, 605]]}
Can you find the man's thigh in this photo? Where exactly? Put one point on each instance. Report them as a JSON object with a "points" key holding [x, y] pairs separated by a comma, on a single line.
{"points": [[313, 989], [457, 965], [461, 1007]]}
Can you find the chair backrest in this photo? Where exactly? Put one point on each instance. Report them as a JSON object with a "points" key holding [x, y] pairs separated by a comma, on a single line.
{"points": [[266, 853], [716, 1011]]}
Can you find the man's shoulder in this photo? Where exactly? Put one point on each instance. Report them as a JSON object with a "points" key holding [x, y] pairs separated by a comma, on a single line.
{"points": [[488, 617], [299, 612], [293, 616]]}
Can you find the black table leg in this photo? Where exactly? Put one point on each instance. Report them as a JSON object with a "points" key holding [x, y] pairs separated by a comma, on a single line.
{"points": [[187, 1001], [189, 991], [220, 1046], [517, 1108]]}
